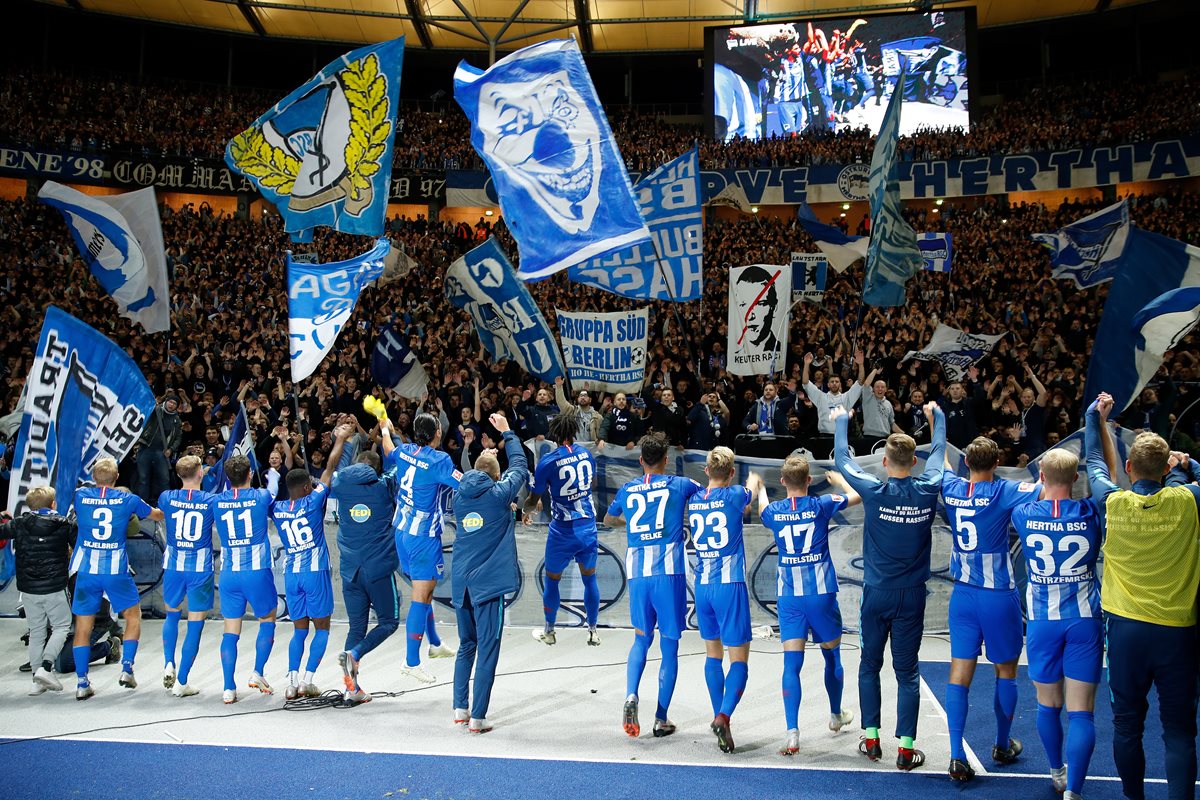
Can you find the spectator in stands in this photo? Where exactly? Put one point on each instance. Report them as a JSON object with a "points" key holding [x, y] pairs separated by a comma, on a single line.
{"points": [[767, 415], [823, 401], [157, 448], [879, 415], [707, 423], [620, 426]]}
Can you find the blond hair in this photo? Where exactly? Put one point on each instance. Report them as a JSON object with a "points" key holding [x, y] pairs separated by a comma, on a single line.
{"points": [[40, 497], [901, 450], [795, 472], [1149, 456], [105, 471], [1059, 467], [487, 462], [187, 468], [720, 463]]}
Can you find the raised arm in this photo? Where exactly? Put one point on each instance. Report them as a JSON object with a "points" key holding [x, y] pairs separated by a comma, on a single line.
{"points": [[385, 438], [517, 474], [860, 366], [855, 477], [1042, 395], [560, 394], [808, 359], [1099, 478], [853, 498], [935, 464], [340, 435]]}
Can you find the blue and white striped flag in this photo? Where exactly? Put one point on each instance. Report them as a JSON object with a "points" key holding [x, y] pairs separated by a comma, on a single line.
{"points": [[120, 237], [241, 443], [537, 122], [395, 366], [321, 298], [1161, 325], [893, 255], [938, 251], [1089, 251]]}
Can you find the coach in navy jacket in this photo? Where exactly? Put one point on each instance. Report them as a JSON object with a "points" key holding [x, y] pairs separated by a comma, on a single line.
{"points": [[483, 569]]}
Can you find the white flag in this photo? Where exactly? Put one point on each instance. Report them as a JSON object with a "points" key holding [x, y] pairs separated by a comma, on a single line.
{"points": [[759, 298]]}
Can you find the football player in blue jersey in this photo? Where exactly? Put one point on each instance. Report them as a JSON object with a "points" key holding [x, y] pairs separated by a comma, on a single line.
{"points": [[715, 518], [652, 509], [897, 541], [424, 475], [102, 514], [308, 587], [240, 515], [984, 606], [567, 473], [1061, 539], [807, 588], [187, 570]]}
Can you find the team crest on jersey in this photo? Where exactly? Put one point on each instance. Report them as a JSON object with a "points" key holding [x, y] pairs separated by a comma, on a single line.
{"points": [[457, 475], [472, 522], [839, 498], [360, 513], [1025, 487]]}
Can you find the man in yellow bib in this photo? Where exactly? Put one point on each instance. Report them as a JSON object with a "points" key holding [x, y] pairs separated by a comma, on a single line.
{"points": [[1148, 592]]}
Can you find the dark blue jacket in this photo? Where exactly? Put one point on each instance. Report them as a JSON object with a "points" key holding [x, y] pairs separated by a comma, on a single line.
{"points": [[366, 505], [484, 561]]}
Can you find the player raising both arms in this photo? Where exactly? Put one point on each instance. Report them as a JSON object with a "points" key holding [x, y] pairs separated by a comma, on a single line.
{"points": [[807, 588], [308, 586], [715, 518], [652, 508], [102, 514], [567, 472], [423, 474]]}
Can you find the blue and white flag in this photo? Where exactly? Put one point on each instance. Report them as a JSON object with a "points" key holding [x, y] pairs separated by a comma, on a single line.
{"points": [[537, 122], [241, 443], [669, 199], [395, 366], [955, 350], [1089, 251], [892, 256], [323, 154], [938, 251], [840, 249], [1148, 268], [605, 352], [809, 274], [120, 237], [321, 298], [507, 320], [84, 399], [1161, 325]]}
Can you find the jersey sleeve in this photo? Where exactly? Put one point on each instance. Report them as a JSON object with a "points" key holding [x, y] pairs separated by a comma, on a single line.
{"points": [[832, 503], [1017, 493], [948, 479], [139, 507], [617, 507], [449, 476], [541, 475], [690, 487]]}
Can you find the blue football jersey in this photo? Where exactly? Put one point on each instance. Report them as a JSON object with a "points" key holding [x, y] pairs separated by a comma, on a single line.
{"points": [[979, 515], [423, 476], [189, 530], [1061, 540], [568, 473], [301, 526], [102, 514], [715, 523], [654, 507], [801, 529], [241, 518]]}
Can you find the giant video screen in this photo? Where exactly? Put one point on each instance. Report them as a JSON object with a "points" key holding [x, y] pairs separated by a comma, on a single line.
{"points": [[834, 73]]}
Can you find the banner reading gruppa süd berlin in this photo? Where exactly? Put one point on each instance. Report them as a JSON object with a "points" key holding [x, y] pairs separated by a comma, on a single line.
{"points": [[605, 352], [759, 297], [84, 398]]}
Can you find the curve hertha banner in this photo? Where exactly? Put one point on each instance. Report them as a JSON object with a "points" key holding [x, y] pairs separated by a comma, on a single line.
{"points": [[759, 299]]}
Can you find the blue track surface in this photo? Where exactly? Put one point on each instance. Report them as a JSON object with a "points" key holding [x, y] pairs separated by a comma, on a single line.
{"points": [[47, 770]]}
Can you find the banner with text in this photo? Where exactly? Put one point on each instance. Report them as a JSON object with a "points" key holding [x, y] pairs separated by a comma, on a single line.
{"points": [[758, 318], [607, 352], [809, 273]]}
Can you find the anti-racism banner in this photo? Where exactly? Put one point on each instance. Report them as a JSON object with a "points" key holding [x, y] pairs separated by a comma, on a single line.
{"points": [[955, 350], [809, 274], [759, 298], [605, 351]]}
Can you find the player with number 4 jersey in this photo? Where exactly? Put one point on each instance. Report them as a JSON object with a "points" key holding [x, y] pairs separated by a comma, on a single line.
{"points": [[187, 570], [566, 473], [715, 518], [984, 606], [807, 588]]}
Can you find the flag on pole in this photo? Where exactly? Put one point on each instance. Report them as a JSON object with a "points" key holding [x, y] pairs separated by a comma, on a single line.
{"points": [[938, 251], [241, 443], [395, 366], [1089, 251], [955, 350], [840, 249]]}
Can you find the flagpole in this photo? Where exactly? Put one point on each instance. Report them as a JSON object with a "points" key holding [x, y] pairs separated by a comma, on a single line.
{"points": [[675, 305], [299, 432]]}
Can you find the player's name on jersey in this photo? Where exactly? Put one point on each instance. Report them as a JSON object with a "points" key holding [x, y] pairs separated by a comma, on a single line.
{"points": [[1053, 579], [810, 558], [101, 545], [652, 536]]}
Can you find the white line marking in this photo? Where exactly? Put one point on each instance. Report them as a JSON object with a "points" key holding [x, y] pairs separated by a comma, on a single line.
{"points": [[974, 759]]}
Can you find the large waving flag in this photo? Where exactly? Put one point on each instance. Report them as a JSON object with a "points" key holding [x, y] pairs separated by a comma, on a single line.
{"points": [[669, 199], [955, 350], [1089, 251], [508, 322], [241, 443], [892, 255], [323, 154], [395, 366], [840, 249], [120, 236], [321, 298], [84, 399], [1149, 267], [537, 122]]}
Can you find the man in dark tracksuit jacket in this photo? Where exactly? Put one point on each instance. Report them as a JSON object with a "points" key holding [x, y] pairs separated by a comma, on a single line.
{"points": [[366, 504], [897, 538], [483, 569]]}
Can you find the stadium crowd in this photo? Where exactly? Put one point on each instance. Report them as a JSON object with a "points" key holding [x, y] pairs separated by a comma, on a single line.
{"points": [[100, 114]]}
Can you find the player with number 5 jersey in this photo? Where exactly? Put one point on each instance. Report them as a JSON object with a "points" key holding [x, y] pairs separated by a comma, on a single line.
{"points": [[715, 518], [567, 473], [807, 588], [308, 586], [187, 570], [425, 476], [652, 509]]}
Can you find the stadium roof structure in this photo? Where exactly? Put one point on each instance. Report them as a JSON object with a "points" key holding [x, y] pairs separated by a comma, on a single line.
{"points": [[505, 25]]}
